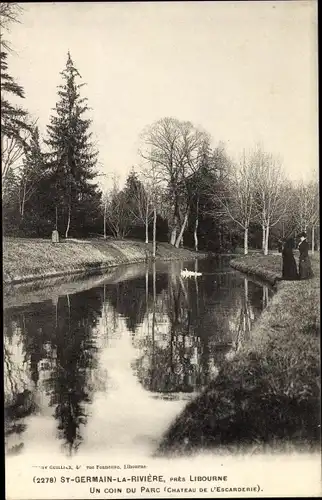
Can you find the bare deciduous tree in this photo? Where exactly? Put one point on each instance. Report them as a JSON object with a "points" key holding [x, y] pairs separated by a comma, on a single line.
{"points": [[115, 210], [142, 208], [307, 207], [153, 180], [9, 13], [236, 197], [271, 197], [195, 143], [173, 147], [12, 152], [31, 171]]}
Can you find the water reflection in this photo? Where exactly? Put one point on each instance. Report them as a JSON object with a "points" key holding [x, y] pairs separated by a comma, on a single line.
{"points": [[81, 365]]}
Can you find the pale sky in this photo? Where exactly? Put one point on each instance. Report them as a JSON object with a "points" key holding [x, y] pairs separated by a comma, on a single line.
{"points": [[244, 71]]}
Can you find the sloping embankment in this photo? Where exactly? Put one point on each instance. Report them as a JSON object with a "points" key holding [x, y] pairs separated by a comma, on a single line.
{"points": [[268, 397], [266, 268], [31, 259]]}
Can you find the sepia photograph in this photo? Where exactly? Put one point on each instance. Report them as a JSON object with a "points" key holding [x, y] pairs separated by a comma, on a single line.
{"points": [[161, 249]]}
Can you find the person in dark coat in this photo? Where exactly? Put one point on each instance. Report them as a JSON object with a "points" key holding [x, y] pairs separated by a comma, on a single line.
{"points": [[279, 246], [305, 269], [289, 271]]}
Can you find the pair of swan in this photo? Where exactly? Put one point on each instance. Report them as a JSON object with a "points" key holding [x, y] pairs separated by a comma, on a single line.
{"points": [[187, 274]]}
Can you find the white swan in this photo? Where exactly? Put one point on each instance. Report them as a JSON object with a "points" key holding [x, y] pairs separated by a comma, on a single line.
{"points": [[188, 274]]}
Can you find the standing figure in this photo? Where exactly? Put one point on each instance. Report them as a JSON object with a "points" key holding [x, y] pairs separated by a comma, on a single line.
{"points": [[305, 269], [279, 246], [289, 271]]}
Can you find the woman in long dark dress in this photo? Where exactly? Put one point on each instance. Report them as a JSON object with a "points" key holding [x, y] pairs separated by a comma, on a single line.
{"points": [[289, 271], [305, 269]]}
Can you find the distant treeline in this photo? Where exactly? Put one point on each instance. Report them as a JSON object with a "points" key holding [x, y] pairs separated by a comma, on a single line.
{"points": [[183, 190]]}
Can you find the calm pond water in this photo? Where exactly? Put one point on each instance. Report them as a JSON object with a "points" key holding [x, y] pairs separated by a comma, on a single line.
{"points": [[107, 362]]}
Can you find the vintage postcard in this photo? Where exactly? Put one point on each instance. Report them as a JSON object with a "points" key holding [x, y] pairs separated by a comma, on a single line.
{"points": [[161, 249]]}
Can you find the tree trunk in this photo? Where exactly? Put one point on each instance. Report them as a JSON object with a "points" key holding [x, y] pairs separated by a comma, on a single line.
{"points": [[23, 202], [246, 241], [263, 237], [263, 299], [68, 223], [154, 233], [173, 236], [147, 219], [313, 240], [266, 240], [105, 210], [154, 285], [174, 226], [147, 287], [153, 325], [182, 230], [147, 226], [56, 222]]}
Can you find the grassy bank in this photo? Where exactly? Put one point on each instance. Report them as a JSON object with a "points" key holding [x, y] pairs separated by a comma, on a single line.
{"points": [[267, 397], [30, 259], [17, 294], [268, 268]]}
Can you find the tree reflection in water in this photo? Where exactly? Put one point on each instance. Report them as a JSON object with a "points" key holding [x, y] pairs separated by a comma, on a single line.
{"points": [[244, 321], [183, 330], [58, 342], [21, 375], [196, 327]]}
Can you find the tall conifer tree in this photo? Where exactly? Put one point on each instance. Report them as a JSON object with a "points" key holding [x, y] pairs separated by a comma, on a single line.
{"points": [[72, 156], [13, 117], [15, 124]]}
